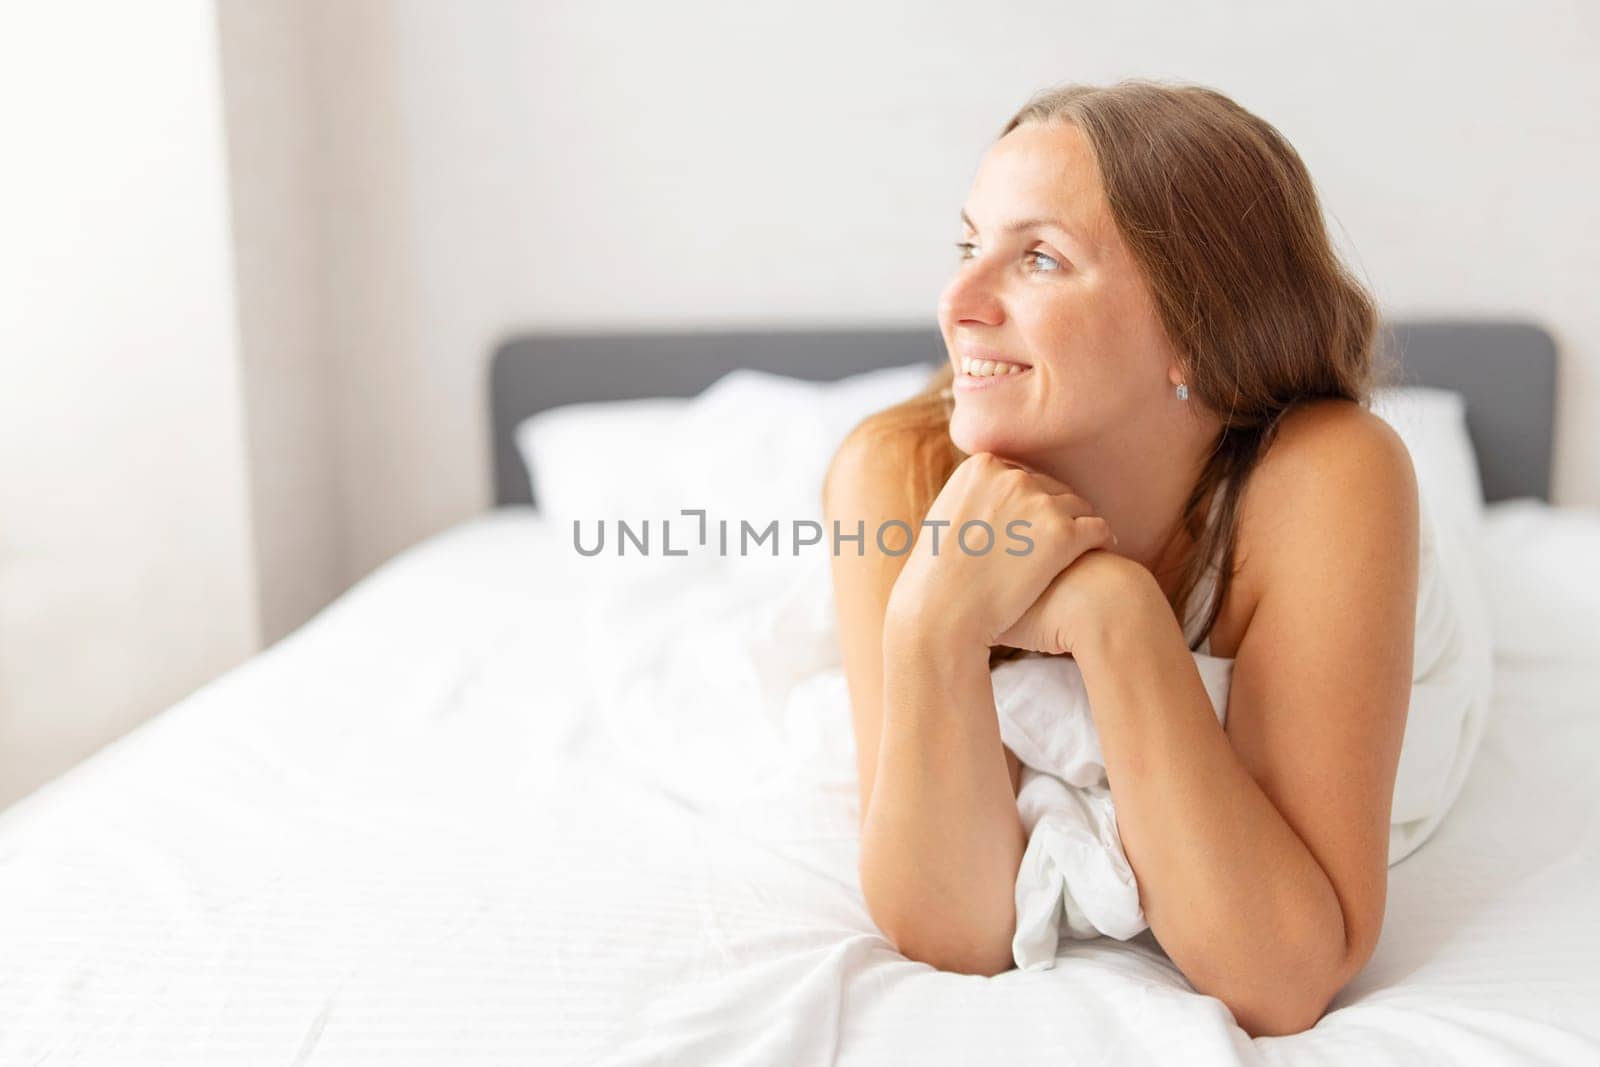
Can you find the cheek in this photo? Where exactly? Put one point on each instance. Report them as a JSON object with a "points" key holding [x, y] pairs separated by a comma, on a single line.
{"points": [[1094, 340], [1062, 329]]}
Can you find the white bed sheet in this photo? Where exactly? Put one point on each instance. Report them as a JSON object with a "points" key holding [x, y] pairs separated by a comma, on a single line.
{"points": [[399, 836]]}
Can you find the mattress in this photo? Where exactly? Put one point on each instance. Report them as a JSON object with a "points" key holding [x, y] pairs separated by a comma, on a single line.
{"points": [[411, 833]]}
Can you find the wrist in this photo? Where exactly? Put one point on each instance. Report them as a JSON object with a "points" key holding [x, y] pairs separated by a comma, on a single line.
{"points": [[1125, 608], [930, 637], [931, 674]]}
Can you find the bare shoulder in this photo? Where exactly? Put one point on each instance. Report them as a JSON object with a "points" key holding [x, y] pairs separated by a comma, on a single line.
{"points": [[1332, 425], [868, 471], [1331, 467], [1330, 460], [866, 486]]}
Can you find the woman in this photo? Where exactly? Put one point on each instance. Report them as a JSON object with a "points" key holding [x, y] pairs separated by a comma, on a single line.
{"points": [[1157, 361]]}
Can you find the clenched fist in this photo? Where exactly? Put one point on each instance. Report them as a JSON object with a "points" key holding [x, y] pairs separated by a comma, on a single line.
{"points": [[994, 538]]}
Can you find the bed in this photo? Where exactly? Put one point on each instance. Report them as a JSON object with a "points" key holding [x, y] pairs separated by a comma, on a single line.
{"points": [[439, 822]]}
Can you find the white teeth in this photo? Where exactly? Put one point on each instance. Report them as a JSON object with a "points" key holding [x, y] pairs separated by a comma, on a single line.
{"points": [[988, 368]]}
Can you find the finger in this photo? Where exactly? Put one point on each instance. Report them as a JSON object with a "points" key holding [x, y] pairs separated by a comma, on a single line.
{"points": [[1072, 505], [1099, 530]]}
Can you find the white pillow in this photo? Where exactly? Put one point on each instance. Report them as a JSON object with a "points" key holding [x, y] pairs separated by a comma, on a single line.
{"points": [[1541, 567], [763, 441], [1433, 424], [754, 446], [607, 460]]}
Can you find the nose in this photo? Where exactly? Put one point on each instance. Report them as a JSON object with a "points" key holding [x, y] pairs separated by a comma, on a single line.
{"points": [[972, 295]]}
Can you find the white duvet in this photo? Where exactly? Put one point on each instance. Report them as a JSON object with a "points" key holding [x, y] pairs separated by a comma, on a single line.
{"points": [[501, 804]]}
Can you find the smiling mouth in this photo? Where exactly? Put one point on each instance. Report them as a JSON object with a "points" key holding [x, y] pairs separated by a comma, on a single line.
{"points": [[989, 368]]}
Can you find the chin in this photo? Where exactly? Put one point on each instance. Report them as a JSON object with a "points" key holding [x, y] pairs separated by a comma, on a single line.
{"points": [[972, 439]]}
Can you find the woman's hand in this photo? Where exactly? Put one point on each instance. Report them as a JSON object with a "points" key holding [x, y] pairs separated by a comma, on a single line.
{"points": [[968, 596], [1076, 600]]}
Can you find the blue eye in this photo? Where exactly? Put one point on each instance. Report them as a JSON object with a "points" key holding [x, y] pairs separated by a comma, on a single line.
{"points": [[966, 248]]}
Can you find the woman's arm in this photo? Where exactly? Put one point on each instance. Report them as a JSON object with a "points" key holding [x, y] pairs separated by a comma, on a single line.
{"points": [[1229, 890], [866, 484], [1261, 852], [941, 835], [942, 840]]}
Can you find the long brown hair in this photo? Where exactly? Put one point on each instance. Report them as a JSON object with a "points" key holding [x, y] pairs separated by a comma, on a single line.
{"points": [[1224, 223]]}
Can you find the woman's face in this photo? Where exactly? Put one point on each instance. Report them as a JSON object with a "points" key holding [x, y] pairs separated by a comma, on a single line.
{"points": [[1048, 282]]}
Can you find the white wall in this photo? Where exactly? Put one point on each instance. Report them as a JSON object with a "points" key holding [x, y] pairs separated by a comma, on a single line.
{"points": [[409, 182], [490, 167], [125, 576], [276, 187]]}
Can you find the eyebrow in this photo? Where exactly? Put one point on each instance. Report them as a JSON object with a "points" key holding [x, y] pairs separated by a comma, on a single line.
{"points": [[1029, 223]]}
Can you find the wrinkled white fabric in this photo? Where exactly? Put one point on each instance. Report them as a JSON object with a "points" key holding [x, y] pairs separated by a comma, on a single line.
{"points": [[402, 834], [1075, 879]]}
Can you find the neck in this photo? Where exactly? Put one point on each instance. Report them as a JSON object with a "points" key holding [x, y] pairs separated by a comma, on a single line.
{"points": [[1138, 476]]}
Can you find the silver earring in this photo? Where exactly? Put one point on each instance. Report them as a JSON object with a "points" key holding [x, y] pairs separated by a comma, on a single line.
{"points": [[1183, 391]]}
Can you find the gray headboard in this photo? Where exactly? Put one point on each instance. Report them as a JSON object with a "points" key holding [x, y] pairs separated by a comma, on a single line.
{"points": [[1505, 370]]}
